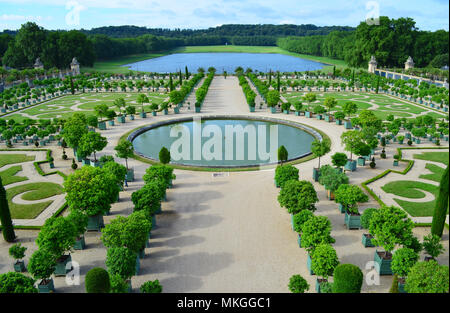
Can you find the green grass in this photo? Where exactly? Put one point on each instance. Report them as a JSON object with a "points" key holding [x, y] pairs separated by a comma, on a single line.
{"points": [[8, 176], [6, 159], [441, 157], [31, 192], [409, 189], [436, 175]]}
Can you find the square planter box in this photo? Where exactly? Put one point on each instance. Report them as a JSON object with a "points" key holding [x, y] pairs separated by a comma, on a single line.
{"points": [[102, 126], [417, 140], [341, 208], [338, 122], [361, 161], [154, 113], [61, 265], [273, 110], [348, 125], [197, 110], [308, 265], [330, 195], [384, 265], [130, 175], [395, 162], [367, 241], [319, 116], [46, 288], [19, 266], [86, 162], [299, 240], [95, 223], [401, 285], [408, 135], [138, 265], [176, 110], [352, 221], [121, 119], [111, 123], [80, 243], [328, 118], [286, 111], [297, 113], [276, 184], [350, 166], [143, 115], [319, 282], [308, 114], [316, 174], [166, 111], [131, 117]]}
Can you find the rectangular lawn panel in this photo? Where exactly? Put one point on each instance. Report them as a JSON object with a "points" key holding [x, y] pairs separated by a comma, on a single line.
{"points": [[437, 172], [6, 159], [441, 157]]}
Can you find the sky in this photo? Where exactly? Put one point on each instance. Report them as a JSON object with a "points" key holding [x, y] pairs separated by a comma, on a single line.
{"points": [[198, 14]]}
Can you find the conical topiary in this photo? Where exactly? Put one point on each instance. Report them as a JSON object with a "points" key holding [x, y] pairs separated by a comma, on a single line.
{"points": [[5, 216]]}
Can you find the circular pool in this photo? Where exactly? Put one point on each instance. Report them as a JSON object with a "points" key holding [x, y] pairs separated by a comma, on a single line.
{"points": [[224, 141]]}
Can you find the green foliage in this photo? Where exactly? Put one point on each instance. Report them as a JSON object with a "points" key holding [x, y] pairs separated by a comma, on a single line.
{"points": [[117, 170], [432, 245], [97, 281], [296, 196], [124, 150], [79, 220], [349, 196], [324, 260], [17, 252], [351, 139], [121, 261], [332, 178], [339, 159], [148, 198], [42, 264], [390, 226], [316, 231], [5, 216], [394, 285], [366, 217], [284, 173], [164, 155], [428, 277], [56, 236], [118, 284], [273, 97], [441, 207], [74, 129], [151, 287], [13, 282], [159, 172], [402, 261], [348, 278], [320, 148], [91, 189], [297, 284], [91, 142], [282, 154], [300, 219]]}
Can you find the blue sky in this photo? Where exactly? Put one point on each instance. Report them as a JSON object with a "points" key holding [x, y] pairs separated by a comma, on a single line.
{"points": [[76, 14]]}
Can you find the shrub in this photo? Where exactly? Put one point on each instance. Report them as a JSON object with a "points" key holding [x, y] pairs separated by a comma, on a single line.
{"points": [[164, 155], [296, 196], [409, 142], [121, 261], [427, 277], [17, 252], [432, 245], [348, 278], [97, 281], [326, 287], [394, 286], [283, 173], [159, 171], [57, 236], [13, 282], [349, 196], [402, 260], [324, 260], [118, 284], [414, 244], [372, 163], [316, 231], [151, 287], [339, 159], [300, 219], [297, 284], [366, 217], [41, 265], [282, 154], [396, 157], [74, 165]]}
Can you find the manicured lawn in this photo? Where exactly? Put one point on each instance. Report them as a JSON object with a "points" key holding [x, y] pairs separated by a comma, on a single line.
{"points": [[441, 157], [31, 192], [408, 188], [8, 176], [6, 159], [437, 172]]}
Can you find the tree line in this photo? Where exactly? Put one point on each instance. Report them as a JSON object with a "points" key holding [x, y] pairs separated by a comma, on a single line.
{"points": [[391, 42]]}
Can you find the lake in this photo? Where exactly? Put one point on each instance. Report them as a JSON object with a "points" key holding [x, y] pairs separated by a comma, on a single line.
{"points": [[262, 62]]}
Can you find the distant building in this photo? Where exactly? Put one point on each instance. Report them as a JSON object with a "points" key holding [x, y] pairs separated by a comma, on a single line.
{"points": [[409, 63], [38, 64], [75, 66], [372, 65]]}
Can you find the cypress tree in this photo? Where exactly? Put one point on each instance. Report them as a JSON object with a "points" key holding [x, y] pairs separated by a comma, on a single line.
{"points": [[278, 81], [440, 209], [334, 72], [270, 77], [170, 82], [187, 72], [181, 79], [5, 216]]}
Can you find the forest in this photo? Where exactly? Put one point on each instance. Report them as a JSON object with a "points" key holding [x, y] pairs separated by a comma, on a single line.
{"points": [[391, 42]]}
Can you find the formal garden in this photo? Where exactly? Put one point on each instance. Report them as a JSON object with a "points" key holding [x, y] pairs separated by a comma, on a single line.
{"points": [[374, 187]]}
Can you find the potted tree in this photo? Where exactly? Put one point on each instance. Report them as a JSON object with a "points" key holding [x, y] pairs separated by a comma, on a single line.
{"points": [[125, 150], [80, 221], [365, 223], [148, 199], [41, 266], [297, 284], [13, 282], [400, 139], [331, 178], [102, 111], [120, 103], [151, 287], [396, 158], [362, 150], [351, 140], [17, 252], [57, 236], [130, 110], [92, 143], [349, 108], [402, 261], [273, 97], [154, 107], [390, 226], [286, 106], [348, 278], [141, 99], [339, 116], [315, 231], [159, 171], [339, 160], [298, 107], [324, 261], [319, 149], [283, 173], [427, 277], [432, 246], [121, 261], [329, 103], [300, 219], [348, 196]]}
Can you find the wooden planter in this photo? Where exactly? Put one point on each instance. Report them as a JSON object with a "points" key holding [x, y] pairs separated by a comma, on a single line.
{"points": [[197, 109], [330, 195], [95, 223], [350, 166], [341, 208], [348, 125], [316, 174], [319, 282], [80, 243], [401, 285], [367, 241], [361, 161], [61, 265], [384, 264], [102, 126], [130, 175], [299, 240], [47, 286], [19, 266], [308, 265], [352, 221], [308, 114], [143, 115]]}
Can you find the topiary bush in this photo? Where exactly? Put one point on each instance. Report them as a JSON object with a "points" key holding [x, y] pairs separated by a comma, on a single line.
{"points": [[283, 173], [300, 219], [97, 281], [297, 284], [366, 216], [118, 284], [151, 287], [427, 277], [13, 282], [348, 278]]}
